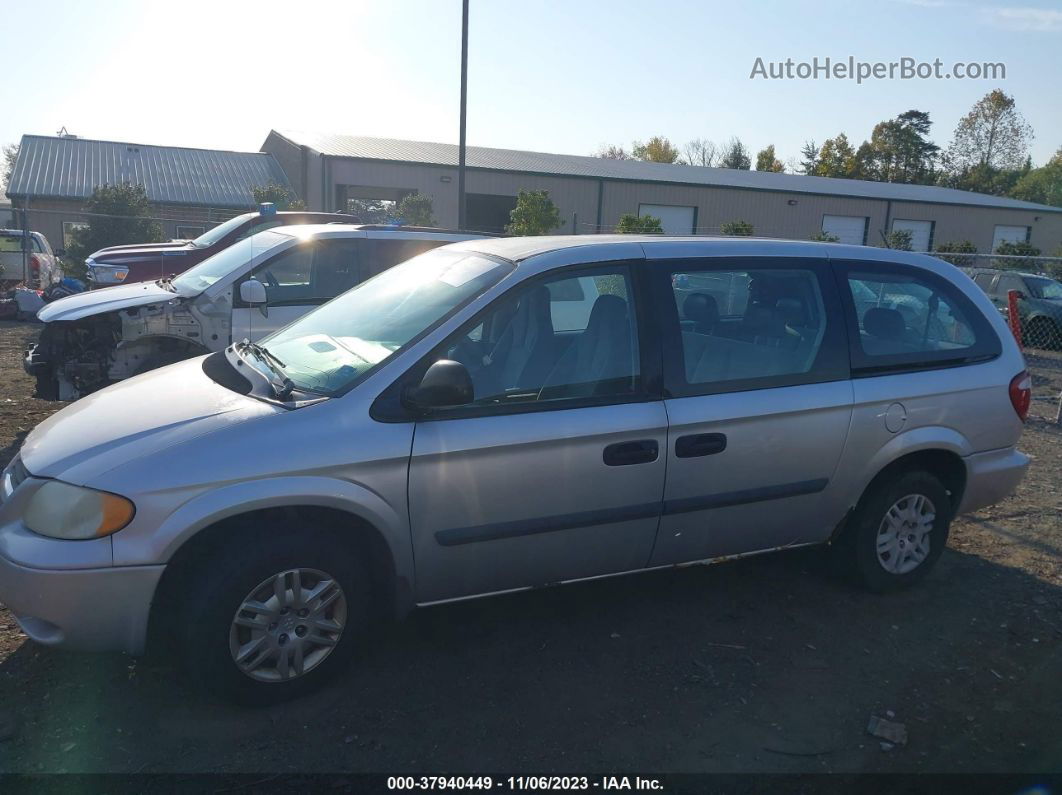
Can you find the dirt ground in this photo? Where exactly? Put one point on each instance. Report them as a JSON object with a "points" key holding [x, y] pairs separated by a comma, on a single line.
{"points": [[760, 665]]}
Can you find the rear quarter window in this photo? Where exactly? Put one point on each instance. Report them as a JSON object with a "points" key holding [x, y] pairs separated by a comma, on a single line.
{"points": [[905, 318]]}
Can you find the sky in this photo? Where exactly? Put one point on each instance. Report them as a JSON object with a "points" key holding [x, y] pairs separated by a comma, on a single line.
{"points": [[547, 75]]}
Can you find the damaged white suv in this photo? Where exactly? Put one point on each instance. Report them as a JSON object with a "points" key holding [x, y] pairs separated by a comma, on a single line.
{"points": [[246, 291]]}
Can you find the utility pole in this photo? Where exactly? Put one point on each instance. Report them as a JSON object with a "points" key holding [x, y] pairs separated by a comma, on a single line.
{"points": [[464, 107]]}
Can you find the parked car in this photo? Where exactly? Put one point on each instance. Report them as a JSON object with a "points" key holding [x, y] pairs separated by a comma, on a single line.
{"points": [[99, 337], [1039, 302], [434, 435], [29, 261], [150, 261]]}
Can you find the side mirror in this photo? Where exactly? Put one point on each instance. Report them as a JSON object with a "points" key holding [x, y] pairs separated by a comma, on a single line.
{"points": [[253, 293], [59, 252], [446, 384]]}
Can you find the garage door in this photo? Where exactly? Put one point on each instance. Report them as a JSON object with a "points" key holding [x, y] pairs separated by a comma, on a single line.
{"points": [[1009, 234], [921, 232], [849, 228], [675, 220]]}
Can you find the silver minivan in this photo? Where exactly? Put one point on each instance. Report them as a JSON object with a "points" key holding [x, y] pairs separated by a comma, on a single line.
{"points": [[496, 415]]}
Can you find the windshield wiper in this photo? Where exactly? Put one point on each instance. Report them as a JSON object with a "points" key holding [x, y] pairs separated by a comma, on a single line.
{"points": [[167, 284], [286, 386]]}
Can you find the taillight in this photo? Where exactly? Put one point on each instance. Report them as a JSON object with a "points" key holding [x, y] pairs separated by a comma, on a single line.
{"points": [[35, 264], [1021, 394]]}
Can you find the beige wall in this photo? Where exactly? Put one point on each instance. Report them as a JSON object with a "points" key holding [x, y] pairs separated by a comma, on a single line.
{"points": [[770, 212]]}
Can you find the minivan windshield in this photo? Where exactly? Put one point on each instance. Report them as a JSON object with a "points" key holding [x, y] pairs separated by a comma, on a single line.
{"points": [[1044, 288], [327, 349], [212, 236], [198, 278]]}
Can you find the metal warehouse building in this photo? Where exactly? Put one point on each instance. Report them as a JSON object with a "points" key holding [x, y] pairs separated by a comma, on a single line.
{"points": [[190, 190], [592, 193]]}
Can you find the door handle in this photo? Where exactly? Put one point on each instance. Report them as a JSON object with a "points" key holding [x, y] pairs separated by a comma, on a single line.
{"points": [[621, 454], [700, 444]]}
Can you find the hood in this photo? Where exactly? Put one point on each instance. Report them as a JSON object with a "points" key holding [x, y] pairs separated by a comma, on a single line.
{"points": [[113, 254], [109, 299], [134, 418]]}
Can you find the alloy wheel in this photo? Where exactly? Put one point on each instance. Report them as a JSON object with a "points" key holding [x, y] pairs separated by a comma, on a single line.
{"points": [[904, 534], [287, 625]]}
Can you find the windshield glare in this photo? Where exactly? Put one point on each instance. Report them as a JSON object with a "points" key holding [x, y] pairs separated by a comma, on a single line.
{"points": [[212, 269], [212, 236], [327, 349], [1044, 288]]}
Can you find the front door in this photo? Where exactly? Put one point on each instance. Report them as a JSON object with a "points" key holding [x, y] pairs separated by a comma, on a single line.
{"points": [[556, 470], [756, 364], [297, 280]]}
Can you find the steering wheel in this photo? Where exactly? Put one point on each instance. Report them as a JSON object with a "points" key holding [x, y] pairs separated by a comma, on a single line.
{"points": [[271, 280]]}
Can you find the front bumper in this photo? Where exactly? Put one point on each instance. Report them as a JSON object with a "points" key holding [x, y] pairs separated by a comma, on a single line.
{"points": [[992, 477], [87, 609]]}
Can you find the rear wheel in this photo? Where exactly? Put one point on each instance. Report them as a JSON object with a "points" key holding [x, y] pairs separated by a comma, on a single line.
{"points": [[271, 617], [898, 531]]}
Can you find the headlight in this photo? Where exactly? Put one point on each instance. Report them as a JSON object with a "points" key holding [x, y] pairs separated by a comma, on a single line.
{"points": [[108, 273], [60, 510]]}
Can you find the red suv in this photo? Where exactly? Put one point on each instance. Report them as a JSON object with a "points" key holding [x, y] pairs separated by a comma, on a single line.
{"points": [[149, 261]]}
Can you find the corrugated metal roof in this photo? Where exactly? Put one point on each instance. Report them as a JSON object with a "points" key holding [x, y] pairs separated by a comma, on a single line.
{"points": [[70, 168], [635, 170]]}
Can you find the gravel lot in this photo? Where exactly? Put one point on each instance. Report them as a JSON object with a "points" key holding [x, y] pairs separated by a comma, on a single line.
{"points": [[760, 665]]}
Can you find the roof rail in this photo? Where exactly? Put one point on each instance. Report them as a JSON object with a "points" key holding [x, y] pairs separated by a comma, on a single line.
{"points": [[403, 228]]}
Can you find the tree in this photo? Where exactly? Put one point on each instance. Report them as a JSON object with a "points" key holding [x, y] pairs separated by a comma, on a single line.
{"points": [[534, 214], [283, 198], [699, 152], [957, 253], [117, 215], [10, 153], [371, 211], [415, 210], [736, 229], [836, 158], [766, 160], [630, 224], [1014, 249], [657, 149], [983, 179], [899, 239], [735, 155], [825, 237], [1042, 185], [899, 150], [993, 134], [613, 152], [809, 153]]}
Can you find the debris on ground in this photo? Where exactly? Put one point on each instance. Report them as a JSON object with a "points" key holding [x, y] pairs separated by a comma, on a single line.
{"points": [[892, 731]]}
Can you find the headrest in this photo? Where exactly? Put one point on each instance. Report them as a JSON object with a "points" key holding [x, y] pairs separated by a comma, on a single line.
{"points": [[609, 310], [701, 309], [885, 324]]}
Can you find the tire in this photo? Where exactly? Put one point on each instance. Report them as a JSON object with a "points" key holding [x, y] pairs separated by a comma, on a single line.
{"points": [[229, 575], [168, 357], [877, 550]]}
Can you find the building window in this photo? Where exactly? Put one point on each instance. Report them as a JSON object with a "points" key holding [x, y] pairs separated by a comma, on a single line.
{"points": [[69, 227], [674, 219], [189, 232], [851, 229], [1010, 234], [921, 232]]}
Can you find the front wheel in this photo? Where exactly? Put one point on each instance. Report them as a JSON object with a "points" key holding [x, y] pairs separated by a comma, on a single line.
{"points": [[898, 531], [272, 617]]}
